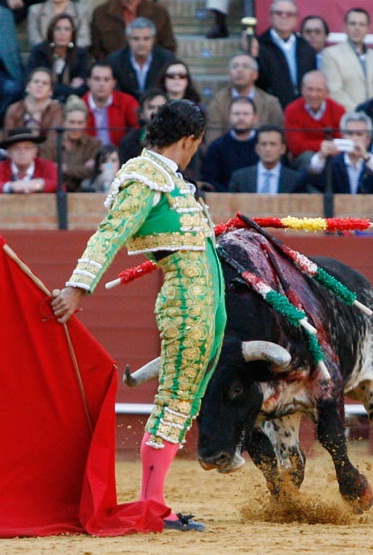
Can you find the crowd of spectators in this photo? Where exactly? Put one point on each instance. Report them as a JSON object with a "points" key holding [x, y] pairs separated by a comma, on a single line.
{"points": [[294, 116]]}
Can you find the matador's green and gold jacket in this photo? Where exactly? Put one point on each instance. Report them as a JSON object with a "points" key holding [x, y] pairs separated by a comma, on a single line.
{"points": [[150, 209]]}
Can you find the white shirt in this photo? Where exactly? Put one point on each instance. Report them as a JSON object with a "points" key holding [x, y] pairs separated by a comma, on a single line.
{"points": [[320, 112], [317, 165], [141, 71], [175, 169], [288, 48], [236, 94], [29, 174], [354, 171], [274, 179], [101, 118]]}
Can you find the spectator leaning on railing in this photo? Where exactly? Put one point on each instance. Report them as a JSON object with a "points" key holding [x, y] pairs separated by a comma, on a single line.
{"points": [[24, 172], [351, 161]]}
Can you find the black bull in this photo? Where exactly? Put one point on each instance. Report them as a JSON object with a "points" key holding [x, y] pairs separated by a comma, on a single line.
{"points": [[257, 407]]}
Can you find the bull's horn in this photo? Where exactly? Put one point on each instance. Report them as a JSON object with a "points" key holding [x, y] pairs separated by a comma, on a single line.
{"points": [[143, 374], [265, 350]]}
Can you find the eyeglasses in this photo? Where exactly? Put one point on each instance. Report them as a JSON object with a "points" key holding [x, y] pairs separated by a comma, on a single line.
{"points": [[177, 75], [283, 13]]}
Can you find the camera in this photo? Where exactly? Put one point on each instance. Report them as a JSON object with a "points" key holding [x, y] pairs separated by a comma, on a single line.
{"points": [[344, 145]]}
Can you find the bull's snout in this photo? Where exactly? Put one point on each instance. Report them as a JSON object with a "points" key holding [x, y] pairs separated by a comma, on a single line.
{"points": [[223, 462]]}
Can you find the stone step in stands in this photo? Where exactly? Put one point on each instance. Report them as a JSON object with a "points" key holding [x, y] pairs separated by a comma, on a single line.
{"points": [[191, 17], [207, 58], [207, 61]]}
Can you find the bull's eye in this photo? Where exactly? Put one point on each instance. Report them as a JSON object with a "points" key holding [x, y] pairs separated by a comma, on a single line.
{"points": [[235, 391]]}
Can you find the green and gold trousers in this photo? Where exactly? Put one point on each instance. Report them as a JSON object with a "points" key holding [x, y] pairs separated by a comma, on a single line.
{"points": [[190, 312]]}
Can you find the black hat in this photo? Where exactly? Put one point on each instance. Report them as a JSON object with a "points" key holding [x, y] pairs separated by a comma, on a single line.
{"points": [[21, 134]]}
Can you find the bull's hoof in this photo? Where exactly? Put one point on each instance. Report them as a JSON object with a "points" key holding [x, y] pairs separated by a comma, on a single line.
{"points": [[362, 503]]}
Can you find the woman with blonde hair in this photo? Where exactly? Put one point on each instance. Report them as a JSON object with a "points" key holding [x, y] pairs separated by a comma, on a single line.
{"points": [[37, 110], [78, 148]]}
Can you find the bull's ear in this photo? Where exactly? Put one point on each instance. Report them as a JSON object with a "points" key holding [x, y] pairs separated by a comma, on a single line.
{"points": [[144, 374]]}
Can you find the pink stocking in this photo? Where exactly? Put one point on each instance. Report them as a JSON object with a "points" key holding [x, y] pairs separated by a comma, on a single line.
{"points": [[155, 466]]}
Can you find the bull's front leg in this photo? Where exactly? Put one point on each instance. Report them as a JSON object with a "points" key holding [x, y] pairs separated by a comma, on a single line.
{"points": [[284, 435], [263, 456], [353, 486], [275, 450]]}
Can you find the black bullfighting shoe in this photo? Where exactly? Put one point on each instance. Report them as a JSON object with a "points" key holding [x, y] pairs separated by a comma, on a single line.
{"points": [[185, 523]]}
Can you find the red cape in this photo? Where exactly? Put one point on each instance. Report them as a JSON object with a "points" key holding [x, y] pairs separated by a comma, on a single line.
{"points": [[57, 466]]}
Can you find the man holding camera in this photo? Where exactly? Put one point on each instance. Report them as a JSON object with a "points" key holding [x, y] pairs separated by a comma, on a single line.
{"points": [[350, 158]]}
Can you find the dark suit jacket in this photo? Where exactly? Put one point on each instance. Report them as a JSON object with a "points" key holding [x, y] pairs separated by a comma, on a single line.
{"points": [[274, 74], [125, 73], [341, 182], [245, 180], [340, 179], [366, 107]]}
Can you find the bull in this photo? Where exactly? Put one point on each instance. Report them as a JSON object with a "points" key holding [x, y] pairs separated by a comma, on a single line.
{"points": [[266, 377]]}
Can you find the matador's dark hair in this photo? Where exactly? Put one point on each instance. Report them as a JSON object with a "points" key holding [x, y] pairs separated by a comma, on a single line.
{"points": [[173, 121]]}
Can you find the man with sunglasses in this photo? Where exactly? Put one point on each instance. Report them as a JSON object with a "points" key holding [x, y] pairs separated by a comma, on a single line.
{"points": [[315, 30], [284, 56]]}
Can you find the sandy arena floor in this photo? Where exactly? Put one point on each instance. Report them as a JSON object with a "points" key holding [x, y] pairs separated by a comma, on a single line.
{"points": [[239, 516]]}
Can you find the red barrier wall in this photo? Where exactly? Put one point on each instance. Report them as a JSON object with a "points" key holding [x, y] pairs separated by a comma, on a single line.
{"points": [[122, 319]]}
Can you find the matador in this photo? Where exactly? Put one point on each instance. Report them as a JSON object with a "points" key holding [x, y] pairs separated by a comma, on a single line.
{"points": [[153, 210]]}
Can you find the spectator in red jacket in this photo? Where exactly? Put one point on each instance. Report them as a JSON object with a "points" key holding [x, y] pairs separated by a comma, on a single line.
{"points": [[111, 113], [24, 171], [311, 119]]}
